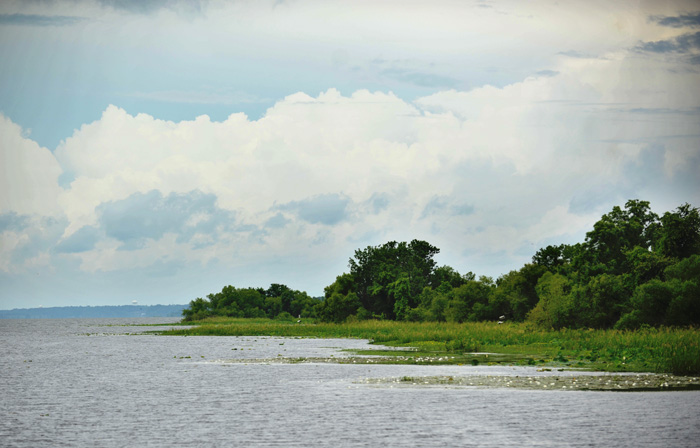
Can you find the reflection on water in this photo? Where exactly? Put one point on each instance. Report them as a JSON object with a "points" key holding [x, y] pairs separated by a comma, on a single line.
{"points": [[81, 383]]}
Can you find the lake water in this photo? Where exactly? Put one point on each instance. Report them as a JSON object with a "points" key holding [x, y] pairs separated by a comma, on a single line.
{"points": [[80, 383]]}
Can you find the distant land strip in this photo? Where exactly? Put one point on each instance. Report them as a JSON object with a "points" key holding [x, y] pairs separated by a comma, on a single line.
{"points": [[69, 312]]}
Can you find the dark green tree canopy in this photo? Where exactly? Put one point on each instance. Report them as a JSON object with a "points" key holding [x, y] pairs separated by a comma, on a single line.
{"points": [[679, 235], [614, 234], [554, 258], [252, 302], [375, 268]]}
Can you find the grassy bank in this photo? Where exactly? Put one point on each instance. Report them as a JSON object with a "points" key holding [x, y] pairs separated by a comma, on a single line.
{"points": [[665, 350]]}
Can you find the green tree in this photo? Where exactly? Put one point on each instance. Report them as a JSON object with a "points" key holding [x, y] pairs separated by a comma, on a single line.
{"points": [[644, 266], [613, 235], [443, 274], [649, 305], [684, 279], [199, 309], [374, 269], [552, 257], [438, 307], [285, 295], [273, 306], [687, 269], [598, 303], [515, 294], [276, 290], [337, 308], [400, 291], [554, 308], [679, 234], [343, 284], [302, 305], [469, 302]]}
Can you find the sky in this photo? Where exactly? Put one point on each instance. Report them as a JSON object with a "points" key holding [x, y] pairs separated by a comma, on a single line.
{"points": [[158, 151]]}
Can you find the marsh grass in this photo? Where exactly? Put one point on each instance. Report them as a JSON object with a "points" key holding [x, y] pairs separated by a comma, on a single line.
{"points": [[667, 350]]}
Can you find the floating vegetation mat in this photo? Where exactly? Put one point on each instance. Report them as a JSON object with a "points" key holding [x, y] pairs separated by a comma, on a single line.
{"points": [[312, 360], [366, 357], [622, 383]]}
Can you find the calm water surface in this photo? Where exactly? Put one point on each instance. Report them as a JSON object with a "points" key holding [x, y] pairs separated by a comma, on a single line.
{"points": [[81, 383]]}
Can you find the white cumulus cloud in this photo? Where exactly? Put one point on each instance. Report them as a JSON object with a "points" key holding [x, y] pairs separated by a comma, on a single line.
{"points": [[29, 173]]}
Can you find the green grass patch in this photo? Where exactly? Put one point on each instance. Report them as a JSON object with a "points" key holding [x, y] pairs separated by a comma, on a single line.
{"points": [[664, 350]]}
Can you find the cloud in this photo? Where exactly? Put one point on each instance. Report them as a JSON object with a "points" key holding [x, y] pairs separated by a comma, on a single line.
{"points": [[278, 221], [303, 143], [661, 46], [486, 173], [151, 6], [38, 20], [690, 20], [663, 111], [135, 5], [547, 73], [681, 44], [379, 202], [27, 241], [575, 54], [687, 44], [327, 209], [440, 205], [81, 241], [29, 180], [590, 198], [141, 216], [12, 221], [421, 79], [319, 174]]}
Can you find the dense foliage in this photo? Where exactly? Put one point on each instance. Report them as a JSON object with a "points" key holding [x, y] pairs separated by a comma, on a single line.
{"points": [[278, 301], [633, 269]]}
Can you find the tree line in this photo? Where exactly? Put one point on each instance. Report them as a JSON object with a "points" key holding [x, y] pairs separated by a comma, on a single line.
{"points": [[634, 268]]}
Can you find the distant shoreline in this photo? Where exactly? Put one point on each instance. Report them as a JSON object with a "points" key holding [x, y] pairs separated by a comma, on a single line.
{"points": [[70, 312]]}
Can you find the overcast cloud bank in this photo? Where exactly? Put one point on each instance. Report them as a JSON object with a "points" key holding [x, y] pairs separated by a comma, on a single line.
{"points": [[132, 203]]}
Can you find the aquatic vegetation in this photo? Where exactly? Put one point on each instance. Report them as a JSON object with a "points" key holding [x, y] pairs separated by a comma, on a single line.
{"points": [[669, 350], [620, 383]]}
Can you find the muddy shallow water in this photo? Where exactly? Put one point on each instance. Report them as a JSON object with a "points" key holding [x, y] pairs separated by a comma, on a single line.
{"points": [[81, 383]]}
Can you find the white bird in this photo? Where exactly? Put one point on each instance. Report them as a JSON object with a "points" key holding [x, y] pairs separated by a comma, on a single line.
{"points": [[502, 317]]}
